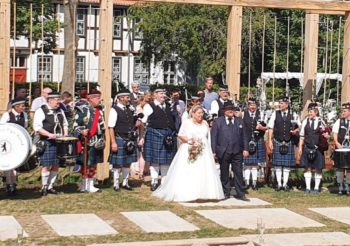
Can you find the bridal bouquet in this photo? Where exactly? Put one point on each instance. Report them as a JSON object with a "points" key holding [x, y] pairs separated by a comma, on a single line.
{"points": [[195, 149]]}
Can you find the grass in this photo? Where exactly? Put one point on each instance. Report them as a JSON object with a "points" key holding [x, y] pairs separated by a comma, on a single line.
{"points": [[28, 206]]}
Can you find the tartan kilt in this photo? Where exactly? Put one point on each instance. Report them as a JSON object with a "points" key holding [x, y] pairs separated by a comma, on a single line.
{"points": [[287, 160], [121, 157], [259, 156], [318, 163], [49, 157], [154, 148], [95, 156]]}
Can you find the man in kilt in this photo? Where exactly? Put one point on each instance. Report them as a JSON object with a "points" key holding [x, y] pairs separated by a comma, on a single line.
{"points": [[160, 139], [280, 136], [50, 122], [341, 135], [255, 131], [89, 126], [16, 115], [122, 128], [311, 155]]}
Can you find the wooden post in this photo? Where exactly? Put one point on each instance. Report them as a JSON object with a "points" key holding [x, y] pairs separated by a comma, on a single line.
{"points": [[310, 55], [345, 91], [105, 73], [5, 15], [233, 58]]}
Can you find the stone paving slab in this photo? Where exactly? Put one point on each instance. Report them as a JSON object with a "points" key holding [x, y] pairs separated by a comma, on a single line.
{"points": [[228, 202], [159, 221], [78, 224], [341, 214], [303, 239], [247, 218], [10, 228]]}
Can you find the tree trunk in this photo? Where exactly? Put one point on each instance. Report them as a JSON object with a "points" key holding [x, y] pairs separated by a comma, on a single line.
{"points": [[70, 46]]}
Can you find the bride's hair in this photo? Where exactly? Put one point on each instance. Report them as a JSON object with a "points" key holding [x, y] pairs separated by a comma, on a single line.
{"points": [[195, 108]]}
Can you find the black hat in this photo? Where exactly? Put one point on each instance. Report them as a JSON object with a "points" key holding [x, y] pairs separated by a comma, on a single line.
{"points": [[251, 100], [195, 98], [17, 101], [284, 99], [312, 106], [159, 90], [345, 105], [53, 94], [229, 106], [223, 88], [124, 92], [94, 92]]}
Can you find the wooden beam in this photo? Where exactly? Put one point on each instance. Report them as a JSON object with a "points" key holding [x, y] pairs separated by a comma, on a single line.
{"points": [[321, 5], [233, 58], [105, 74], [310, 55], [345, 91], [325, 12], [5, 24]]}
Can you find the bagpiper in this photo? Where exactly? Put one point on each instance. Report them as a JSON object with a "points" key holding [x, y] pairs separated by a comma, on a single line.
{"points": [[18, 116], [50, 122]]}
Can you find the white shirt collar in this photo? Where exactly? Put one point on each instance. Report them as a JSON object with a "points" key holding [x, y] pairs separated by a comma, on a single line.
{"points": [[122, 106], [157, 103], [15, 112], [222, 100]]}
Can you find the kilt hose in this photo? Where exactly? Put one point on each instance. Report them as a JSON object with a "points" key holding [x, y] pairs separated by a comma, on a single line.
{"points": [[154, 148], [49, 157], [121, 157], [318, 163], [259, 156], [287, 160]]}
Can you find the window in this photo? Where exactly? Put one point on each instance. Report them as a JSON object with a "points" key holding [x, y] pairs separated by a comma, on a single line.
{"points": [[45, 68], [116, 69], [20, 62], [169, 72], [80, 28], [137, 31], [80, 69], [140, 71], [118, 23]]}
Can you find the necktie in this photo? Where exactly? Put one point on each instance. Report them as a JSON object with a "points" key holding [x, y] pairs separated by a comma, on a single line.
{"points": [[312, 124], [284, 115], [18, 117], [229, 121], [162, 106]]}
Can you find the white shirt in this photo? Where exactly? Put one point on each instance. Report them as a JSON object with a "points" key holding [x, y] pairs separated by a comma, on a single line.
{"points": [[271, 123], [214, 107], [37, 103], [113, 115], [227, 121], [148, 110], [302, 131], [6, 117], [39, 117], [336, 126]]}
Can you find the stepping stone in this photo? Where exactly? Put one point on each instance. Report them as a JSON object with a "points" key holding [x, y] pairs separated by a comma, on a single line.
{"points": [[341, 214], [228, 202], [78, 225], [10, 228], [301, 239], [247, 218], [159, 221]]}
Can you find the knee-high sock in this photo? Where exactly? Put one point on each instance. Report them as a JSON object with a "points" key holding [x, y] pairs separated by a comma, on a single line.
{"points": [[254, 175], [347, 181], [278, 171], [125, 172], [10, 177], [308, 176], [52, 179], [247, 175], [116, 172], [45, 178], [340, 179], [318, 178], [285, 176], [154, 170]]}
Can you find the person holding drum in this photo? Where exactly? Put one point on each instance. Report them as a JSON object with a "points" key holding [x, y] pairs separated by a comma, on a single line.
{"points": [[122, 129], [18, 116], [311, 155], [50, 122], [280, 136], [341, 135], [89, 126]]}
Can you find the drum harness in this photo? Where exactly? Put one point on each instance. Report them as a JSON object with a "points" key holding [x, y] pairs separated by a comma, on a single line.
{"points": [[346, 141]]}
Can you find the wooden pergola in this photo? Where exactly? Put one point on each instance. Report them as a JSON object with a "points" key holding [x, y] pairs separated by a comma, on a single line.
{"points": [[312, 8]]}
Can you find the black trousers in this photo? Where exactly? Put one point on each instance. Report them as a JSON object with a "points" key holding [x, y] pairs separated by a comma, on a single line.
{"points": [[236, 161]]}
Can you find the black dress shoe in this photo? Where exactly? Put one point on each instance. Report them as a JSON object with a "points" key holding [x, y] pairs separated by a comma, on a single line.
{"points": [[254, 187], [127, 187], [279, 188], [242, 198], [52, 191], [227, 196], [154, 187], [286, 188], [44, 192], [116, 189]]}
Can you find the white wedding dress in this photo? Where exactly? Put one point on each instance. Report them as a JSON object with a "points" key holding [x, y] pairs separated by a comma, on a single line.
{"points": [[190, 181]]}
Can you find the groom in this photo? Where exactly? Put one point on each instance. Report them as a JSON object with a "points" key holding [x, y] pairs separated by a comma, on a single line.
{"points": [[227, 142]]}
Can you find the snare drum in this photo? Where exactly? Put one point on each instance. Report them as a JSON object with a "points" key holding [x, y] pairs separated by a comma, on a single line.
{"points": [[67, 147], [342, 158], [15, 146]]}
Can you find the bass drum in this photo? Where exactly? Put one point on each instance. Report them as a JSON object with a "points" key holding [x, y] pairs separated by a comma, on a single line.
{"points": [[15, 146], [341, 158]]}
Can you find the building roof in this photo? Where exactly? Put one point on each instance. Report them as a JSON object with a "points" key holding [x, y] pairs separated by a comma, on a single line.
{"points": [[115, 2]]}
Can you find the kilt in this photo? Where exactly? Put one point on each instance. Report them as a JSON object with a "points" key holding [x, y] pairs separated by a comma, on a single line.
{"points": [[49, 157], [287, 160], [259, 156], [318, 163], [95, 156], [154, 148], [121, 157]]}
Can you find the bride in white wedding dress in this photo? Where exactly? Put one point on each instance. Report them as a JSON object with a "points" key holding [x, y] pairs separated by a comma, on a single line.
{"points": [[198, 178]]}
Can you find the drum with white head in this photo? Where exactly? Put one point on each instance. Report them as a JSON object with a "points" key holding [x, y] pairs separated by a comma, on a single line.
{"points": [[15, 146], [342, 158]]}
